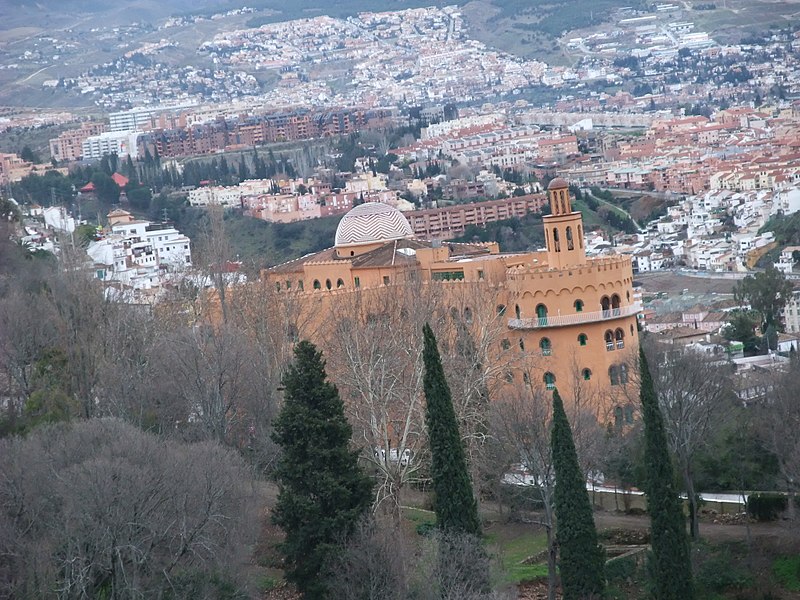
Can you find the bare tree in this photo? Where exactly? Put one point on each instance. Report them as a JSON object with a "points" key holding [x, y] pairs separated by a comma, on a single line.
{"points": [[694, 395], [779, 423], [375, 354], [521, 424], [101, 508]]}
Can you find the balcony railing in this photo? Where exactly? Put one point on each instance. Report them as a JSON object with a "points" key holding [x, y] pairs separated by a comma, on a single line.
{"points": [[576, 318]]}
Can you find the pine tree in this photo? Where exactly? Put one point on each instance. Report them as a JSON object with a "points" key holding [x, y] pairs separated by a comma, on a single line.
{"points": [[581, 558], [454, 503], [670, 566], [323, 493]]}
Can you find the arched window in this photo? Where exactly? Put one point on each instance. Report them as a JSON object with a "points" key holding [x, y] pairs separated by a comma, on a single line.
{"points": [[339, 283], [615, 304], [317, 286], [328, 284], [505, 344], [605, 306], [613, 374], [545, 346], [549, 380], [522, 344], [580, 236], [623, 374], [609, 338], [517, 311], [618, 415], [582, 339], [570, 242], [629, 414], [587, 374], [509, 377], [628, 295], [619, 338], [501, 310], [578, 305], [556, 242], [526, 378], [278, 286], [468, 314], [632, 330], [541, 314], [300, 284], [454, 313]]}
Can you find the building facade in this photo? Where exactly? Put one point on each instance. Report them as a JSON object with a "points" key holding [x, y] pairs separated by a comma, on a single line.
{"points": [[570, 320]]}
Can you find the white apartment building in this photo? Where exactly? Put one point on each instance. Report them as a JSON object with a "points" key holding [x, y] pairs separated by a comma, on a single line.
{"points": [[121, 143], [216, 196], [139, 255], [791, 313]]}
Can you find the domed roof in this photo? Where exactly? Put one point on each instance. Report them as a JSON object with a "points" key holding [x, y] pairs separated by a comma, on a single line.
{"points": [[557, 184], [372, 222]]}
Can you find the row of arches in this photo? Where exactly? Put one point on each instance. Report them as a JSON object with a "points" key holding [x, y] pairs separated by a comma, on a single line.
{"points": [[609, 305], [614, 340]]}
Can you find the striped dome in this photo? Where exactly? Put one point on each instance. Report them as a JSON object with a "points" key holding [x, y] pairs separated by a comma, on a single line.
{"points": [[372, 222]]}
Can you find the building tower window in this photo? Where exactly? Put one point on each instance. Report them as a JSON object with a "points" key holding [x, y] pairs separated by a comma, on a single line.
{"points": [[587, 374], [618, 417], [541, 314], [328, 284], [501, 310], [613, 374], [357, 282], [467, 315], [623, 374], [619, 338], [546, 347], [522, 344], [385, 280], [339, 283], [578, 305], [526, 378], [615, 305], [609, 338], [582, 339], [505, 344], [278, 286], [570, 242], [556, 242], [300, 284], [549, 381], [317, 285], [629, 414], [605, 306], [517, 311], [580, 236]]}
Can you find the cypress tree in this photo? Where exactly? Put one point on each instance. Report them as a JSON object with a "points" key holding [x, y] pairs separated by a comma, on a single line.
{"points": [[669, 565], [581, 558], [454, 503], [323, 492]]}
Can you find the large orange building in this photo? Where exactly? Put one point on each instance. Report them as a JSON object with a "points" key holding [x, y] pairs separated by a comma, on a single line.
{"points": [[571, 320]]}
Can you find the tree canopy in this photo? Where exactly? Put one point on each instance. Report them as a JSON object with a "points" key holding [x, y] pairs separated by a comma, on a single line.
{"points": [[323, 492], [767, 293]]}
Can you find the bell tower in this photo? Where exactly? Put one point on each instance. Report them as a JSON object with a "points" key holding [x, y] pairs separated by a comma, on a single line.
{"points": [[563, 229]]}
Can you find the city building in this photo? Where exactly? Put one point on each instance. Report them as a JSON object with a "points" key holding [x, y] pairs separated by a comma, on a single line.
{"points": [[121, 143], [69, 145], [139, 257], [570, 320]]}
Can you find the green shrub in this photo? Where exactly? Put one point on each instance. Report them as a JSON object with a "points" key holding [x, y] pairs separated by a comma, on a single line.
{"points": [[426, 528], [719, 572], [787, 571], [621, 569], [766, 507]]}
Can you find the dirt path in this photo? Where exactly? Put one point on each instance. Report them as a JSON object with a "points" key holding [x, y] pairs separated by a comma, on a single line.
{"points": [[716, 532]]}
